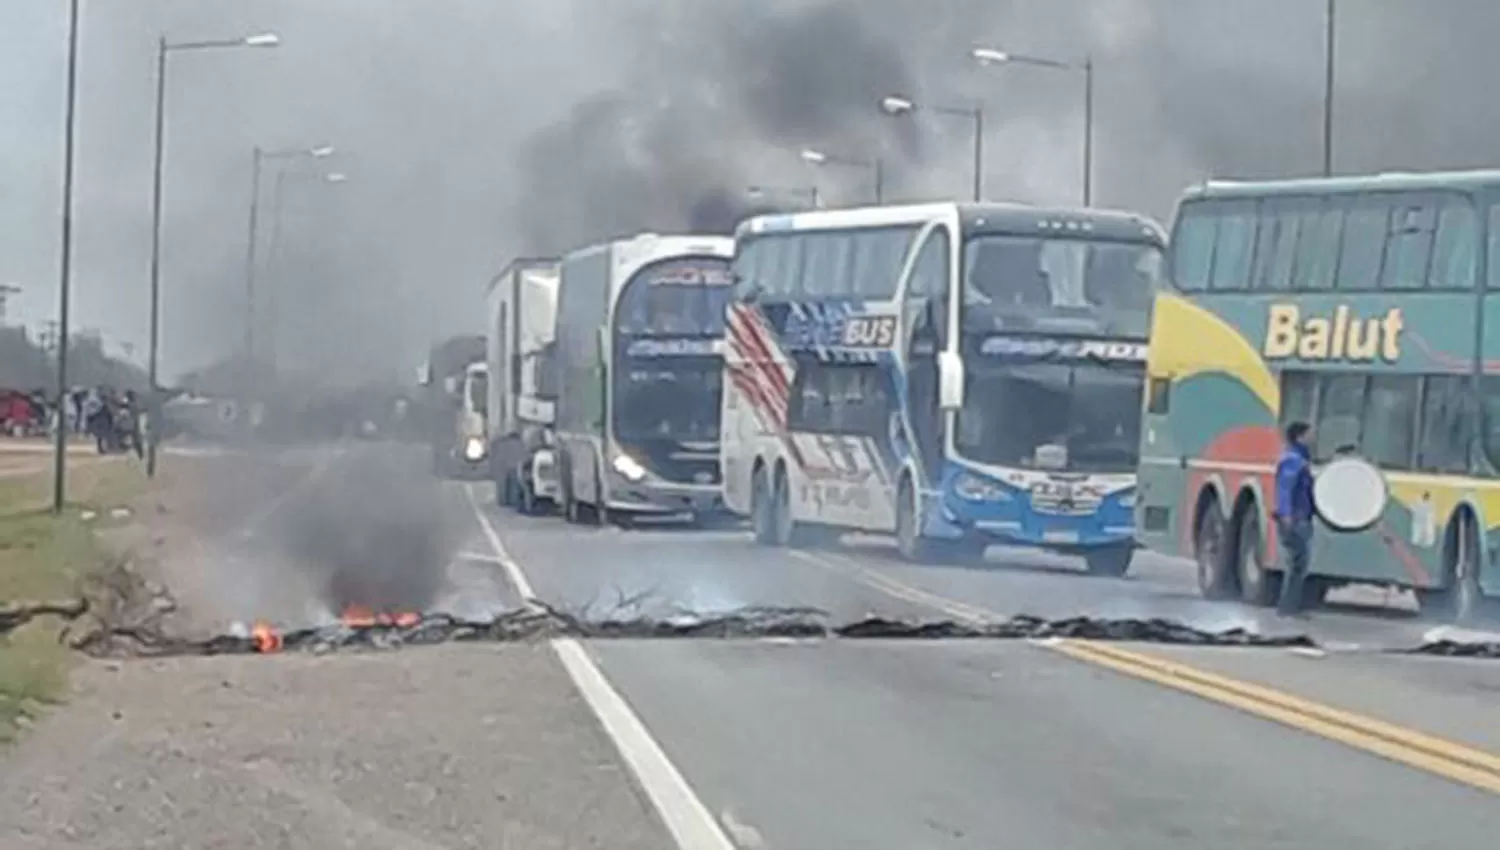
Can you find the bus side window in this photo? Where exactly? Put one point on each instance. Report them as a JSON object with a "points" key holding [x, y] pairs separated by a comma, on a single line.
{"points": [[1319, 262], [1362, 249], [1408, 249], [1234, 249], [748, 268], [1493, 240], [1290, 224], [819, 256], [1341, 401], [1446, 425], [1193, 246], [1390, 421], [1298, 392], [1455, 253]]}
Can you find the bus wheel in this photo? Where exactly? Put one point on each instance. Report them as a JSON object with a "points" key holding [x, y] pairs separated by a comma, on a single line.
{"points": [[762, 511], [908, 527], [1214, 579], [783, 527], [1111, 562], [1258, 585], [1461, 601]]}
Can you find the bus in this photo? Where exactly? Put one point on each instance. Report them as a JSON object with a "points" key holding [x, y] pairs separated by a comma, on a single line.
{"points": [[954, 374], [1366, 306], [639, 333]]}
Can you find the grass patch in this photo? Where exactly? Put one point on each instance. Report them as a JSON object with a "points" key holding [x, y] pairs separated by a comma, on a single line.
{"points": [[45, 556]]}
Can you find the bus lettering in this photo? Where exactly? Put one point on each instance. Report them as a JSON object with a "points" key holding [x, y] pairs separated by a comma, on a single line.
{"points": [[1341, 336], [870, 332]]}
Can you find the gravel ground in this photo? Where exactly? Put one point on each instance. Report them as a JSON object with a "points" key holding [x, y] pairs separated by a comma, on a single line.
{"points": [[444, 747]]}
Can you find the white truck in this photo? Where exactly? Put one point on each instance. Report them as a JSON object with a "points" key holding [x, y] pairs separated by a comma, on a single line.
{"points": [[520, 354]]}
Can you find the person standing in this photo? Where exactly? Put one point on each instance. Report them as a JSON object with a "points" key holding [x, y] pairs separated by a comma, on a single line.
{"points": [[1294, 515]]}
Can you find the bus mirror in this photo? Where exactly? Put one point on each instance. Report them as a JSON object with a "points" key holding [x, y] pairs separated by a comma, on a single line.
{"points": [[450, 385], [1350, 494], [950, 380]]}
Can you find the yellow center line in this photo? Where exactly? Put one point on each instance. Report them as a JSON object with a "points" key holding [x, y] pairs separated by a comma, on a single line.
{"points": [[1451, 760]]}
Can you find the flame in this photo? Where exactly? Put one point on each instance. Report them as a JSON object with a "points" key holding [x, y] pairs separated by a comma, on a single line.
{"points": [[264, 637], [358, 616]]}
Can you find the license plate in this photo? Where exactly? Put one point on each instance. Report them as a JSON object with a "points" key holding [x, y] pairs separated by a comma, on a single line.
{"points": [[1060, 536]]}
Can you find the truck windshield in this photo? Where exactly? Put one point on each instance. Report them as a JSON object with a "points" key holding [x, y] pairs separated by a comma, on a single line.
{"points": [[668, 398], [1092, 411], [479, 392]]}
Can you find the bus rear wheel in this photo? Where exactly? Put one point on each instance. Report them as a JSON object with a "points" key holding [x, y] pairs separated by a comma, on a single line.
{"points": [[1215, 581], [1258, 585], [1461, 601], [762, 509]]}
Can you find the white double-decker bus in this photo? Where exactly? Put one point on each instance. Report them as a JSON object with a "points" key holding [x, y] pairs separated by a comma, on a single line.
{"points": [[954, 374]]}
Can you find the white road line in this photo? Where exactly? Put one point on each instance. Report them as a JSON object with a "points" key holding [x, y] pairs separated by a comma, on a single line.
{"points": [[692, 825], [512, 570]]}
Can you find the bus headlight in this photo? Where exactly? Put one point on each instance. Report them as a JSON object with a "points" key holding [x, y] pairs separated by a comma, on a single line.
{"points": [[629, 468], [474, 449], [1127, 500], [976, 489]]}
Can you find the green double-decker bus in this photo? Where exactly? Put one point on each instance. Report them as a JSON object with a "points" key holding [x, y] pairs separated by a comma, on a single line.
{"points": [[1368, 307]]}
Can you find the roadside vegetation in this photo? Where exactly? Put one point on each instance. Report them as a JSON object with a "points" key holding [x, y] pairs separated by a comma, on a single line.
{"points": [[45, 557]]}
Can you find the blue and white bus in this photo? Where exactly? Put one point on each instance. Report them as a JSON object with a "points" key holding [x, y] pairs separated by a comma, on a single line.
{"points": [[954, 374]]}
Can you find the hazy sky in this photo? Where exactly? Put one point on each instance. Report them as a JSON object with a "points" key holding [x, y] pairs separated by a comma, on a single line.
{"points": [[474, 129]]}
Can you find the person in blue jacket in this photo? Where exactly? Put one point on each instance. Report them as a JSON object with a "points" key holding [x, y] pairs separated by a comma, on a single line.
{"points": [[1294, 515]]}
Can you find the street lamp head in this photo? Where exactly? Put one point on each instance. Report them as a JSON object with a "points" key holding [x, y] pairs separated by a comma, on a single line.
{"points": [[265, 39], [989, 56], [337, 177], [321, 152], [814, 157], [894, 105]]}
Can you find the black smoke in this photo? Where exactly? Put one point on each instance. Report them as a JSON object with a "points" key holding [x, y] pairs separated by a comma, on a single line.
{"points": [[667, 151]]}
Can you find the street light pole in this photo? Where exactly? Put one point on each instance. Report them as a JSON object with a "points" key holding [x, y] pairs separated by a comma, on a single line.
{"points": [[152, 392], [1088, 131], [1328, 69], [65, 267], [163, 48], [255, 161], [993, 56], [897, 105]]}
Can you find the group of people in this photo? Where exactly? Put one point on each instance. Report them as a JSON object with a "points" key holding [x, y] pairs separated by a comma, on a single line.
{"points": [[112, 418]]}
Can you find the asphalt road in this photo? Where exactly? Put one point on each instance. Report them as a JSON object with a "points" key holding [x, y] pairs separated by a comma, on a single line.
{"points": [[968, 744], [768, 743]]}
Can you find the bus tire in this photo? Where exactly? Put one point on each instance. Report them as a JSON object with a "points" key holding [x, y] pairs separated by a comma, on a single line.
{"points": [[1258, 585], [909, 540], [783, 526], [1460, 601], [1215, 580], [762, 509], [1109, 562]]}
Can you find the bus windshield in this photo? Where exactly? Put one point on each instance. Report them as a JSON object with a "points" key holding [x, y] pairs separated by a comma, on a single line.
{"points": [[674, 398], [1037, 273], [1087, 414], [683, 297]]}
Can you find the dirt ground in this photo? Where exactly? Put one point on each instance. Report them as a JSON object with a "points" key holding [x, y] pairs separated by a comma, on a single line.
{"points": [[443, 747]]}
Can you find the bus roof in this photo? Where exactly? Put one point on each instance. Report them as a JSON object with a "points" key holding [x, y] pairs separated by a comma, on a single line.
{"points": [[982, 217], [521, 264], [1463, 181]]}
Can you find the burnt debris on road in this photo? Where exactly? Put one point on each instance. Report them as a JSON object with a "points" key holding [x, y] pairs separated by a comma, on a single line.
{"points": [[540, 622]]}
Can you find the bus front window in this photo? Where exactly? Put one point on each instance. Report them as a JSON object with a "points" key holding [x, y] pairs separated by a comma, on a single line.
{"points": [[1035, 273], [1090, 411]]}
